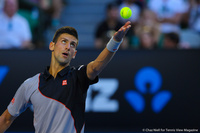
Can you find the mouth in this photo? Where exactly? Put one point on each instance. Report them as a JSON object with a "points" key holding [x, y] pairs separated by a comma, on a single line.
{"points": [[65, 54]]}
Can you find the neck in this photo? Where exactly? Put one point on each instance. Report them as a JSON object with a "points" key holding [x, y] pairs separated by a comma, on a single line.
{"points": [[54, 69]]}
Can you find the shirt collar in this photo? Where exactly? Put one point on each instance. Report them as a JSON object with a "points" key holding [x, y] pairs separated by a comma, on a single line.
{"points": [[46, 73], [61, 73], [64, 71]]}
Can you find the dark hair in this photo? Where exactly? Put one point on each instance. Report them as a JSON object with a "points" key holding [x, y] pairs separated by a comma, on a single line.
{"points": [[66, 29], [173, 37]]}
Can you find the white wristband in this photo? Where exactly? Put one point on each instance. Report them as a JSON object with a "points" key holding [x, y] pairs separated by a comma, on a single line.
{"points": [[112, 45]]}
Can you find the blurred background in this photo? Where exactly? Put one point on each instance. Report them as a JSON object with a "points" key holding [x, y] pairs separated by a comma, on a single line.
{"points": [[151, 83], [157, 24]]}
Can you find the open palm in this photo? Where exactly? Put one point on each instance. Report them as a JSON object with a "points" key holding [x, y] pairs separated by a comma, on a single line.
{"points": [[122, 31]]}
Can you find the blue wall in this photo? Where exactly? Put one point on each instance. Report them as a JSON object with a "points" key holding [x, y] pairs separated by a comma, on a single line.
{"points": [[144, 89]]}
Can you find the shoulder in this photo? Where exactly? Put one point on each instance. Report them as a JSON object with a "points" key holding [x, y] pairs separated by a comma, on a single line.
{"points": [[80, 70], [83, 79], [77, 69], [28, 86], [32, 80], [81, 67]]}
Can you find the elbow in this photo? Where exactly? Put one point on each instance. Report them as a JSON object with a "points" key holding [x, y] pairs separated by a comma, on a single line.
{"points": [[92, 71]]}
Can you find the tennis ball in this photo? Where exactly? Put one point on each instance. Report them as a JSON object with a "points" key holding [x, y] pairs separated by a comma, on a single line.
{"points": [[125, 12]]}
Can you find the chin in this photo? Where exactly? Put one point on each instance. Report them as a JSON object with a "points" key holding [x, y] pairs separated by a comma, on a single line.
{"points": [[64, 63]]}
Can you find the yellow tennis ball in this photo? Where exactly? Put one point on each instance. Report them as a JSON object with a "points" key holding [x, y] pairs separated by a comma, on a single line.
{"points": [[125, 12]]}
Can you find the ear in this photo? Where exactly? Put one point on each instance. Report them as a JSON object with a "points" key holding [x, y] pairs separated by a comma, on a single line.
{"points": [[51, 46], [74, 54]]}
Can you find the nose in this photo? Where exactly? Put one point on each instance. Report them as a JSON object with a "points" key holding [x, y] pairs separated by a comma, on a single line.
{"points": [[67, 46]]}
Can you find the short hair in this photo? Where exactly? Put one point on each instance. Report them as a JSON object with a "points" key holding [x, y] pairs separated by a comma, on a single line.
{"points": [[66, 29]]}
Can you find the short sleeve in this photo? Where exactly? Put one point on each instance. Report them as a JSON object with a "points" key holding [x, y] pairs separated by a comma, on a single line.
{"points": [[19, 102], [83, 79]]}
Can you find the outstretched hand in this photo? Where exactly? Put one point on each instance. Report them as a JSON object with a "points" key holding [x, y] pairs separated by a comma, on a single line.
{"points": [[122, 32]]}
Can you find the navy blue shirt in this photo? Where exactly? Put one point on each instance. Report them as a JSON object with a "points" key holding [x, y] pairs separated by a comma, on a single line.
{"points": [[58, 104]]}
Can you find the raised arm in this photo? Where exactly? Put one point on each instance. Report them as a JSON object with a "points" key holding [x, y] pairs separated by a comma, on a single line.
{"points": [[6, 120], [96, 66]]}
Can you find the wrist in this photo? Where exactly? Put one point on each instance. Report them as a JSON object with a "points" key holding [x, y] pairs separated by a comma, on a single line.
{"points": [[113, 45], [116, 39]]}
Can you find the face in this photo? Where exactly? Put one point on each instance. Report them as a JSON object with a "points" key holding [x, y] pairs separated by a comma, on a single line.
{"points": [[64, 50], [10, 7]]}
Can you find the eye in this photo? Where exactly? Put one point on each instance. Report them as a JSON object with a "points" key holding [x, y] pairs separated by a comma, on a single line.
{"points": [[72, 45], [63, 41]]}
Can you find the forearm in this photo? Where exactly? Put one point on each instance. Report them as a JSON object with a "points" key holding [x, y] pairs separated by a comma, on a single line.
{"points": [[99, 63], [4, 125], [5, 121], [96, 66], [103, 59]]}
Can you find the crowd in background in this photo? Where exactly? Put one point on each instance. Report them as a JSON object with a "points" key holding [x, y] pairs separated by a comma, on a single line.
{"points": [[24, 22], [156, 24]]}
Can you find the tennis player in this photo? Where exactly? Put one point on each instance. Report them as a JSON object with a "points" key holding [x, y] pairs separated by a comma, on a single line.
{"points": [[58, 94]]}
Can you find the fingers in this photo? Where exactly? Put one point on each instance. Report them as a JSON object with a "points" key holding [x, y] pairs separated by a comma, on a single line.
{"points": [[122, 31], [127, 23], [126, 26]]}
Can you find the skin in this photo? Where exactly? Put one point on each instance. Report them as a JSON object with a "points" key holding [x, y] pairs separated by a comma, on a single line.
{"points": [[63, 51], [67, 44]]}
